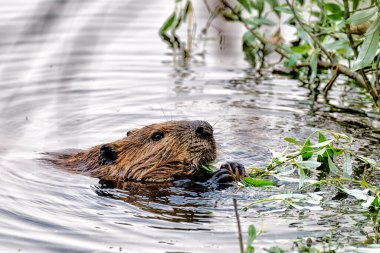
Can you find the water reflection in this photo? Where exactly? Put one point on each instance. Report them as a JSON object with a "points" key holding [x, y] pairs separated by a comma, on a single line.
{"points": [[181, 202]]}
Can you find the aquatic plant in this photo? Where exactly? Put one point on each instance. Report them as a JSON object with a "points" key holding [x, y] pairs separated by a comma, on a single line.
{"points": [[324, 162], [334, 38], [342, 37]]}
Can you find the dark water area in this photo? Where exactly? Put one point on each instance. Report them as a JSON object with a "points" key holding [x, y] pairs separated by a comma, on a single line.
{"points": [[75, 74]]}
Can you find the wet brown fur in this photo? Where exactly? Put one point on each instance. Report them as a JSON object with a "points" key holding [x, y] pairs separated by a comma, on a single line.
{"points": [[179, 154]]}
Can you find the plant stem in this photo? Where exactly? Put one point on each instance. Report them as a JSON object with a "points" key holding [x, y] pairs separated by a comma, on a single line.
{"points": [[288, 159], [238, 225]]}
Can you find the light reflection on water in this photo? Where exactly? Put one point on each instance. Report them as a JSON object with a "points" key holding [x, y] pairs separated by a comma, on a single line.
{"points": [[75, 74]]}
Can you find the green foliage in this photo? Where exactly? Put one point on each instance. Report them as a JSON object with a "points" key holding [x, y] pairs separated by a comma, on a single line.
{"points": [[249, 181], [182, 13], [324, 158], [179, 16], [334, 32], [208, 169], [360, 17], [168, 23], [251, 237], [369, 47]]}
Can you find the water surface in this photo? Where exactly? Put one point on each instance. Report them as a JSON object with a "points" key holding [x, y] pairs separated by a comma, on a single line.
{"points": [[74, 74]]}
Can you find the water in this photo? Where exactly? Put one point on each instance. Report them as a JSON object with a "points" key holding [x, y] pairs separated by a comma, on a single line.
{"points": [[78, 73]]}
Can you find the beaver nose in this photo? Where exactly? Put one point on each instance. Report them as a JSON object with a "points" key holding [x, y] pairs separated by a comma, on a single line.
{"points": [[203, 129]]}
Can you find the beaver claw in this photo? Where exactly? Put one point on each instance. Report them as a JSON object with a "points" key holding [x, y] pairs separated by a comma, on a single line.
{"points": [[228, 173]]}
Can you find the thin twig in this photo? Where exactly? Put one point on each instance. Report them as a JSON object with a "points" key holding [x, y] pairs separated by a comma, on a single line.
{"points": [[287, 160], [377, 74], [239, 226], [331, 82], [315, 39]]}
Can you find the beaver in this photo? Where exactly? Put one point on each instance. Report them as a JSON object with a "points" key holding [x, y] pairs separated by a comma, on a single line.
{"points": [[159, 152]]}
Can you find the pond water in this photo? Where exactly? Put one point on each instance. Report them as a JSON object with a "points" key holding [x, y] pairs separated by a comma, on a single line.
{"points": [[74, 74]]}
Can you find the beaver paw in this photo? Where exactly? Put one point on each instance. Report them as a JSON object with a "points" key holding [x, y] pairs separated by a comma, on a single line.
{"points": [[229, 172]]}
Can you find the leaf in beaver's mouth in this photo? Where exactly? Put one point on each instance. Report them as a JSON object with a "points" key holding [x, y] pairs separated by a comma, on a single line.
{"points": [[208, 168]]}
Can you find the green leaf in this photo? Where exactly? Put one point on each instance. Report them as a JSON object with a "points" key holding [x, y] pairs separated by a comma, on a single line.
{"points": [[355, 4], [321, 137], [246, 5], [332, 7], [321, 151], [322, 144], [248, 38], [360, 17], [308, 164], [251, 237], [209, 169], [369, 48], [341, 44], [284, 9], [306, 150], [291, 62], [302, 175], [168, 23], [274, 249], [347, 165], [253, 182], [274, 4], [335, 10], [256, 21], [301, 49], [376, 203], [293, 141], [314, 65], [260, 7], [333, 169], [305, 37], [249, 249]]}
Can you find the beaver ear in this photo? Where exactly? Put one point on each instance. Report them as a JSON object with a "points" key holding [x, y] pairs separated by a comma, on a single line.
{"points": [[107, 155], [130, 132]]}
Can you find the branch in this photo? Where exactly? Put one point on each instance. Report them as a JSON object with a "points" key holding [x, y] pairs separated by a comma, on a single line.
{"points": [[331, 82]]}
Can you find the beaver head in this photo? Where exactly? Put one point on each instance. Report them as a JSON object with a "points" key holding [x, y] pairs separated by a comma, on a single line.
{"points": [[156, 153]]}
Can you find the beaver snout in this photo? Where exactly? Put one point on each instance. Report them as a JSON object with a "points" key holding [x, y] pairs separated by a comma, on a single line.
{"points": [[202, 129]]}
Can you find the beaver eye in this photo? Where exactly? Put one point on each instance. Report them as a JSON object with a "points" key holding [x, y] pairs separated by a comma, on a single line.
{"points": [[157, 136]]}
